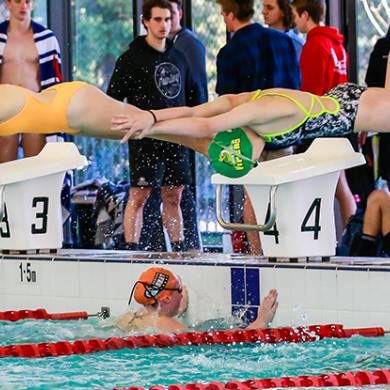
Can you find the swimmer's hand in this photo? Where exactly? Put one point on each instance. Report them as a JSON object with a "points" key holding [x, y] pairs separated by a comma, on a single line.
{"points": [[136, 126], [266, 311]]}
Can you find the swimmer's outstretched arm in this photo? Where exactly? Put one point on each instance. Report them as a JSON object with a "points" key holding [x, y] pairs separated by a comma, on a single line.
{"points": [[266, 311], [139, 126]]}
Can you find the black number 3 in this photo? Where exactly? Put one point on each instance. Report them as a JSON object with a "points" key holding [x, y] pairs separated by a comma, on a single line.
{"points": [[42, 215], [5, 233]]}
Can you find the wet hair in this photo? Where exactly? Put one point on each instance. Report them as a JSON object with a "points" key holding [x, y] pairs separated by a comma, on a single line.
{"points": [[288, 16], [315, 8], [149, 4], [242, 9], [178, 2]]}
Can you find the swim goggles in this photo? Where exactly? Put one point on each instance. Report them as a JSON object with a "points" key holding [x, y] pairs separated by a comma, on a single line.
{"points": [[151, 291]]}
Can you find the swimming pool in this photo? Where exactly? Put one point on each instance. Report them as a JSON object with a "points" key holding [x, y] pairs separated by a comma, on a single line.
{"points": [[180, 365], [349, 291]]}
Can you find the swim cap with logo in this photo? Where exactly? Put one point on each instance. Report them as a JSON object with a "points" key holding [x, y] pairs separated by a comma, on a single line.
{"points": [[231, 153], [154, 285]]}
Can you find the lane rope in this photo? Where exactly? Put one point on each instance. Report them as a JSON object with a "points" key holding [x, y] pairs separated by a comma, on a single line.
{"points": [[41, 314], [360, 378], [270, 335]]}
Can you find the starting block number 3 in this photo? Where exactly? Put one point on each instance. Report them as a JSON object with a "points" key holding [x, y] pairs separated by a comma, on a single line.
{"points": [[41, 204], [315, 208]]}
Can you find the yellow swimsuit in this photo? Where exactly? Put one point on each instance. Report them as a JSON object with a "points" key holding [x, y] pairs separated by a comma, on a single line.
{"points": [[44, 118]]}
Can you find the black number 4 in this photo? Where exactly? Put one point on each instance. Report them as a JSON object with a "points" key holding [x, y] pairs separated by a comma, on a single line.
{"points": [[274, 232], [315, 206]]}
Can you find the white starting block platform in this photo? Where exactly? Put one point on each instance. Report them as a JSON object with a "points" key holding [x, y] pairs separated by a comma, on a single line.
{"points": [[30, 189], [294, 197]]}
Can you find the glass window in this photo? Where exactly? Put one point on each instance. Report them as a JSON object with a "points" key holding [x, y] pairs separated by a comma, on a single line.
{"points": [[102, 30], [372, 23]]}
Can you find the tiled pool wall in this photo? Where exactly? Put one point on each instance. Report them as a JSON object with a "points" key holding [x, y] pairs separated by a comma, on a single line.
{"points": [[218, 285]]}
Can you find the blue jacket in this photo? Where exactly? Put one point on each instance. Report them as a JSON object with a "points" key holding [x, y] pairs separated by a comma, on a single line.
{"points": [[48, 51], [257, 58], [193, 48]]}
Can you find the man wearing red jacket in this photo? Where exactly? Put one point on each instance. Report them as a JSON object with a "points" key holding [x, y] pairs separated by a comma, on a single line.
{"points": [[323, 60], [323, 65]]}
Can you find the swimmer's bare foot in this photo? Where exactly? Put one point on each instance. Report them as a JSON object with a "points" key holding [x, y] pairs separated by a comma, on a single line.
{"points": [[266, 311]]}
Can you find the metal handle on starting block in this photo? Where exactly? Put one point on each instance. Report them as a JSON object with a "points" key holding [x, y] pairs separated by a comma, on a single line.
{"points": [[2, 188], [240, 226]]}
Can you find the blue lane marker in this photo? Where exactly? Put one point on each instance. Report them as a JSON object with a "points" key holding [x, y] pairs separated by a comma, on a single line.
{"points": [[245, 287]]}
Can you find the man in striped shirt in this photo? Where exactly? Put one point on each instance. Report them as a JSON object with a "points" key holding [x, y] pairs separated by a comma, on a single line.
{"points": [[29, 57]]}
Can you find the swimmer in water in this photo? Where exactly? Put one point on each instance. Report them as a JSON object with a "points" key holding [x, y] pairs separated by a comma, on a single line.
{"points": [[163, 297]]}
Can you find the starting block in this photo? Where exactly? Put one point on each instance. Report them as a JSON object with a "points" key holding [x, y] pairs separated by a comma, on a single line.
{"points": [[294, 197], [30, 205]]}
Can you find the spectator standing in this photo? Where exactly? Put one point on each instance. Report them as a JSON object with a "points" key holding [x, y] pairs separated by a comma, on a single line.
{"points": [[153, 74], [278, 14], [324, 60], [29, 57], [255, 57], [185, 40], [323, 63]]}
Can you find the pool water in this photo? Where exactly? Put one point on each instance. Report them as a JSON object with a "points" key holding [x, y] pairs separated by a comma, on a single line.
{"points": [[180, 365]]}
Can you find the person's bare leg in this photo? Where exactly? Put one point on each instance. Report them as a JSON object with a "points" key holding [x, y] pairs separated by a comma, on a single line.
{"points": [[249, 218], [385, 227], [377, 215], [133, 218], [9, 147], [171, 214], [33, 144], [345, 198]]}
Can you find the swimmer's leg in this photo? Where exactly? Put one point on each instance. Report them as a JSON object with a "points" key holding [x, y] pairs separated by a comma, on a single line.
{"points": [[33, 144], [9, 146], [91, 110]]}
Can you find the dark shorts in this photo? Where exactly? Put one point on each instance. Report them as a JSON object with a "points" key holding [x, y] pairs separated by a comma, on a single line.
{"points": [[329, 125], [158, 163]]}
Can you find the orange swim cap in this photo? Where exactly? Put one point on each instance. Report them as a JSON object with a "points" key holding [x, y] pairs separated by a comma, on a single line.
{"points": [[155, 284]]}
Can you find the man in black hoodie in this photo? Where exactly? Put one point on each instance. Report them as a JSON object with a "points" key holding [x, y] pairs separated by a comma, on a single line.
{"points": [[152, 74]]}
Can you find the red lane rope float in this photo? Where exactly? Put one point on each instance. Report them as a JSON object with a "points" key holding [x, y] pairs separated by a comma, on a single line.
{"points": [[41, 314], [270, 335], [360, 378]]}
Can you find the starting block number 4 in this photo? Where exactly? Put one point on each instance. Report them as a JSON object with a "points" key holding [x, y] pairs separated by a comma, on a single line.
{"points": [[314, 210]]}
